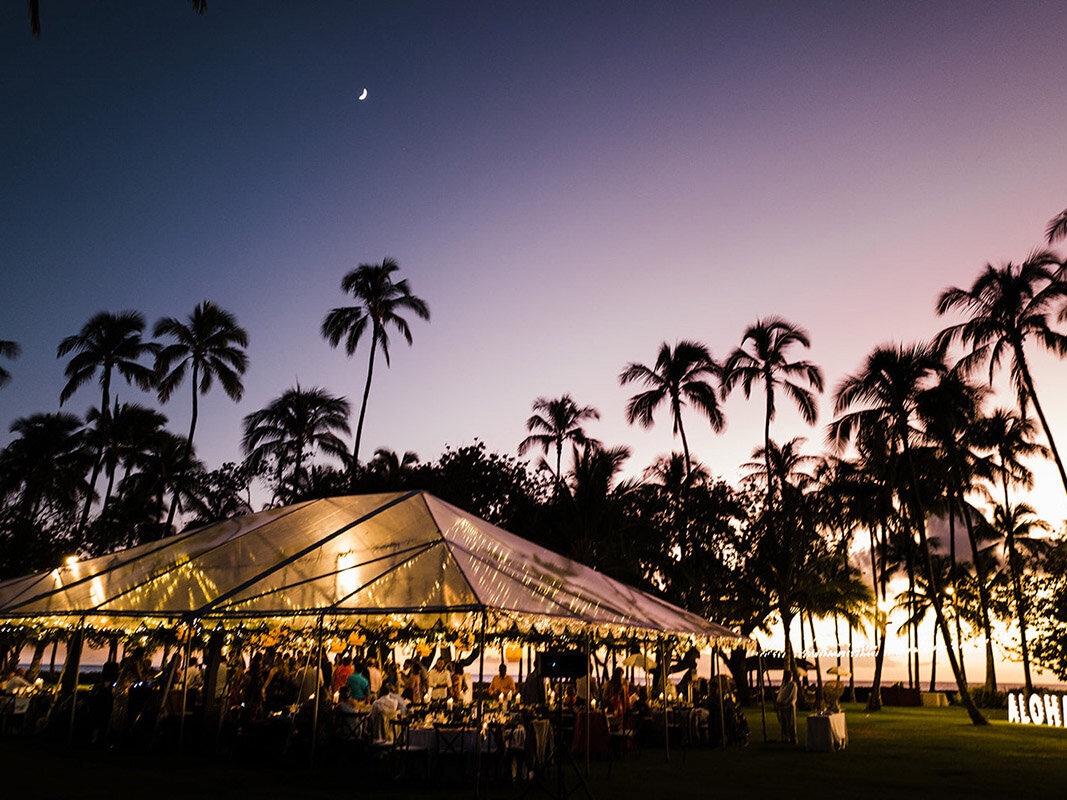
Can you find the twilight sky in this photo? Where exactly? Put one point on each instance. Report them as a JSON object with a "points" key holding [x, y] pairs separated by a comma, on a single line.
{"points": [[567, 185]]}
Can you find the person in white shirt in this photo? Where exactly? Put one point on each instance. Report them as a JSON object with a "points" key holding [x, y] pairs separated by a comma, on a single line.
{"points": [[440, 680], [16, 681]]}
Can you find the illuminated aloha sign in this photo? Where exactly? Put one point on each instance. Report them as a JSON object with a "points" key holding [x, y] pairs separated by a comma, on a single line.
{"points": [[1040, 709]]}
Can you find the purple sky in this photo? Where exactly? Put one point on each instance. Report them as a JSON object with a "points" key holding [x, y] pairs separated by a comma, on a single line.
{"points": [[567, 185]]}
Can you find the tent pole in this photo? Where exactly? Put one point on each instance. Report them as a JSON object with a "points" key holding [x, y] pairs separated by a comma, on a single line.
{"points": [[73, 661], [719, 684], [588, 699], [762, 693], [318, 688], [661, 666], [185, 683], [481, 695]]}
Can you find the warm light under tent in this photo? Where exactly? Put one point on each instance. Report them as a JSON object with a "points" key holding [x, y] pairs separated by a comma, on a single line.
{"points": [[397, 561]]}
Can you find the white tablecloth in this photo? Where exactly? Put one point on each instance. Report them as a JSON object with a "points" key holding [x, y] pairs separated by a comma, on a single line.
{"points": [[827, 732]]}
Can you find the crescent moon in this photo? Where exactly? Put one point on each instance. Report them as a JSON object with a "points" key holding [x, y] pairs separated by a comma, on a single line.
{"points": [[363, 95]]}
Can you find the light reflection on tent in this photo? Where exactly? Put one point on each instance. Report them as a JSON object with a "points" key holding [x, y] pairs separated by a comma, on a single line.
{"points": [[393, 560]]}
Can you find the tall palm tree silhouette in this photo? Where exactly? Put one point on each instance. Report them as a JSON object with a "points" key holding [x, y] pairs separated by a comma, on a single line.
{"points": [[380, 301], [557, 421], [1008, 306], [210, 346], [763, 359], [106, 344], [680, 376], [884, 394]]}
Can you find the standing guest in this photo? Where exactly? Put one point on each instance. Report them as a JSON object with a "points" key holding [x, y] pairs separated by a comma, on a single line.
{"points": [[502, 683], [461, 691], [786, 704], [341, 674], [533, 688], [617, 694], [374, 676], [414, 687], [440, 683], [357, 683]]}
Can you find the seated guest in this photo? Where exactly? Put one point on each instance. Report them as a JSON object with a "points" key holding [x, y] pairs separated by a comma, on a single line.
{"points": [[348, 714], [502, 683], [16, 681], [389, 700]]}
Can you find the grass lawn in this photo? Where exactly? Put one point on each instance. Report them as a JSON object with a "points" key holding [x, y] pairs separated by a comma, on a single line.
{"points": [[897, 752]]}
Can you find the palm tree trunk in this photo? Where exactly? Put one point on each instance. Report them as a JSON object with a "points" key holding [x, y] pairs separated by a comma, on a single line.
{"points": [[952, 583], [983, 602], [363, 408], [933, 663], [1020, 358], [188, 442], [1020, 608], [874, 701], [815, 649], [790, 658], [851, 668], [685, 444], [935, 597]]}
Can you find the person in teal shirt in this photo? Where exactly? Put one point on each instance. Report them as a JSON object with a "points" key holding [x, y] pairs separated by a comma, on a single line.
{"points": [[358, 685]]}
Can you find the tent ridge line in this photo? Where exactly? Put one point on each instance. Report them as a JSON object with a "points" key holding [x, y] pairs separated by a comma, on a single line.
{"points": [[177, 540], [429, 546], [419, 547], [185, 563], [301, 553], [448, 547]]}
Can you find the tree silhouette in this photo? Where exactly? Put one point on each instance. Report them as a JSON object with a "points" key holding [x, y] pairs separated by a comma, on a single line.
{"points": [[1008, 306], [106, 344], [8, 350], [557, 421], [380, 303], [210, 345], [680, 376]]}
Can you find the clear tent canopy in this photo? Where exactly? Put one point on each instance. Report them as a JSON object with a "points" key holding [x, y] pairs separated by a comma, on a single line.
{"points": [[397, 562]]}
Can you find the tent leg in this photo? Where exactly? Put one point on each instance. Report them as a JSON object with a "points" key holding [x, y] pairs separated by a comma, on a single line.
{"points": [[661, 666], [185, 684], [318, 690], [588, 700], [762, 693], [481, 694], [71, 672], [719, 684]]}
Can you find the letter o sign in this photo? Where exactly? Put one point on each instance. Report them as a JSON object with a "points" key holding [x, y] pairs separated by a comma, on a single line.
{"points": [[1037, 709]]}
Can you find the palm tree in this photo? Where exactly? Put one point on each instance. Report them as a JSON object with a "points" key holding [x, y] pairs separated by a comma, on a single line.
{"points": [[210, 345], [106, 344], [950, 410], [380, 302], [394, 468], [886, 392], [1019, 527], [8, 350], [292, 427], [558, 421], [1007, 306], [680, 376], [45, 465], [762, 358], [125, 438]]}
